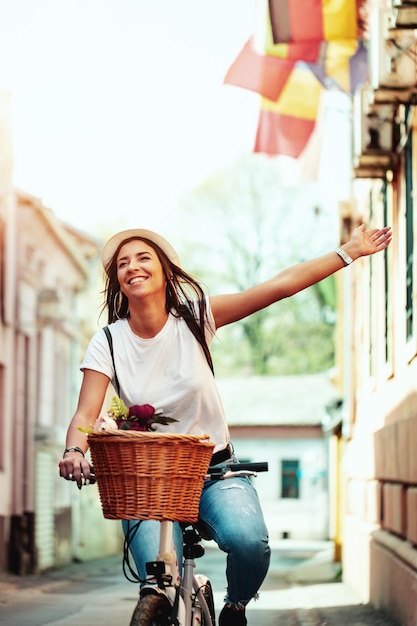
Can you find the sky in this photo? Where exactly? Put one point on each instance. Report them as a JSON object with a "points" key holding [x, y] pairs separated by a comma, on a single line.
{"points": [[118, 107]]}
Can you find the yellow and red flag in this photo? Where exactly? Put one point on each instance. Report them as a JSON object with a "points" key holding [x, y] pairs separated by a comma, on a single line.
{"points": [[285, 126], [267, 74]]}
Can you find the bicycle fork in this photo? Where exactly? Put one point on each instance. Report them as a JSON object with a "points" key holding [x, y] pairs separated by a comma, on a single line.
{"points": [[181, 593]]}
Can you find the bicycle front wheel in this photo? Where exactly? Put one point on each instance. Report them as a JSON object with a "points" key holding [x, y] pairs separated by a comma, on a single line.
{"points": [[152, 610], [204, 588]]}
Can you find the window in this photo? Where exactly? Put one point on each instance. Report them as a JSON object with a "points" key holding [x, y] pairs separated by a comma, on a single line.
{"points": [[379, 337], [290, 479], [409, 247], [388, 342]]}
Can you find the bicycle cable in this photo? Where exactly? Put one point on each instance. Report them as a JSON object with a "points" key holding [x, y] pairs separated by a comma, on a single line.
{"points": [[129, 572]]}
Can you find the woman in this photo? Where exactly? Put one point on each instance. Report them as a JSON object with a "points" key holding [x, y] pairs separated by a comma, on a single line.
{"points": [[162, 325]]}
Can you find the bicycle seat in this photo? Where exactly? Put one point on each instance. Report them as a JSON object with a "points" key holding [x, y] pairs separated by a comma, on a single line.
{"points": [[202, 530]]}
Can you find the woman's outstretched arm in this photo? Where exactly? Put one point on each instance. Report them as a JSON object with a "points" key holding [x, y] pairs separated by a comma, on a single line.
{"points": [[229, 308]]}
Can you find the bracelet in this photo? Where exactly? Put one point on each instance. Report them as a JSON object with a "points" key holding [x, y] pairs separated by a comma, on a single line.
{"points": [[73, 449], [347, 260]]}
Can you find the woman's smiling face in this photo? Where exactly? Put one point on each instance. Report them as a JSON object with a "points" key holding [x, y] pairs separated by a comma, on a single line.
{"points": [[139, 270]]}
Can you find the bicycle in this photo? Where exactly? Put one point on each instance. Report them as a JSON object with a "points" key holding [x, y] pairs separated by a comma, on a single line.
{"points": [[173, 600], [185, 601]]}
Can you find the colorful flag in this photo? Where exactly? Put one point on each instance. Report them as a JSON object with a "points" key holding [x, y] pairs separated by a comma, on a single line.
{"points": [[342, 65], [266, 74], [308, 163], [261, 73], [299, 48], [317, 20], [358, 68], [285, 126], [307, 50]]}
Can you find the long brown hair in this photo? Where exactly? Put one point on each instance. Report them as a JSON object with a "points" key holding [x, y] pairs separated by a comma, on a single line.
{"points": [[182, 291]]}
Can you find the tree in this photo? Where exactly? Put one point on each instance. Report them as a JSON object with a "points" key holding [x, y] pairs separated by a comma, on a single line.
{"points": [[247, 225]]}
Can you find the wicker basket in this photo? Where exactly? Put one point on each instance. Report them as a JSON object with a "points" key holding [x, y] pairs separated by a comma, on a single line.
{"points": [[147, 475]]}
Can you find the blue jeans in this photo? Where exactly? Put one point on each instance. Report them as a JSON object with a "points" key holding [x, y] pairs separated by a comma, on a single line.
{"points": [[231, 513]]}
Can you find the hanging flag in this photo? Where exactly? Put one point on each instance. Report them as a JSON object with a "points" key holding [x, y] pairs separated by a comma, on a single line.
{"points": [[266, 74], [263, 74], [358, 68], [285, 126], [336, 62], [317, 20], [342, 65], [299, 48], [309, 162]]}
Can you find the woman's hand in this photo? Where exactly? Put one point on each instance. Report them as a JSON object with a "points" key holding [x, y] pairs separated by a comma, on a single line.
{"points": [[75, 467], [364, 243]]}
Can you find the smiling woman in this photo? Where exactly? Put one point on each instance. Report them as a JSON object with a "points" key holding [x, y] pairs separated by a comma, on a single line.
{"points": [[161, 326]]}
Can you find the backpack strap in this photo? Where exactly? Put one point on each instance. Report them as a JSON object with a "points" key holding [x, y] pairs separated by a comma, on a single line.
{"points": [[110, 340], [188, 316]]}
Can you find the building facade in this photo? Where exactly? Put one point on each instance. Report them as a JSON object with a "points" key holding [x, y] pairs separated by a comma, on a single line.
{"points": [[279, 419], [49, 273], [376, 425]]}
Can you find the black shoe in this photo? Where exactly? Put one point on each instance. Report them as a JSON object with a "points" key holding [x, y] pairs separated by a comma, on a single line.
{"points": [[232, 617]]}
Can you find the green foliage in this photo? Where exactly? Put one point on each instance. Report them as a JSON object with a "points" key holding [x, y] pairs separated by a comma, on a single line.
{"points": [[288, 338], [246, 226]]}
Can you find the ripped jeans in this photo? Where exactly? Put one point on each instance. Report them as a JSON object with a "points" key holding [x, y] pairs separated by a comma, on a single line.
{"points": [[231, 513]]}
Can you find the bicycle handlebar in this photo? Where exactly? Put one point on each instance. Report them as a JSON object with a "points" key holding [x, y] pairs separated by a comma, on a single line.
{"points": [[236, 469], [213, 473], [260, 466]]}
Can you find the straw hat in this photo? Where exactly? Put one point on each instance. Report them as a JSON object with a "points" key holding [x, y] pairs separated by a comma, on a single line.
{"points": [[113, 243]]}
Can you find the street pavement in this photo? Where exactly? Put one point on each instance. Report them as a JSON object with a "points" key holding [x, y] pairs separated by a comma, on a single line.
{"points": [[297, 592]]}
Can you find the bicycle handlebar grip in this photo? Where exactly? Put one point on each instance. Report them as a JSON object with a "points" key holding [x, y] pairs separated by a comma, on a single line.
{"points": [[92, 475], [261, 466]]}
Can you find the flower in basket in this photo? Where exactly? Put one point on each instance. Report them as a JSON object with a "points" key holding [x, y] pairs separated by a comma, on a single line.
{"points": [[139, 417]]}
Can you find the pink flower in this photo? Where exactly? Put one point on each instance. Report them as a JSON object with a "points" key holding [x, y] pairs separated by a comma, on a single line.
{"points": [[104, 422]]}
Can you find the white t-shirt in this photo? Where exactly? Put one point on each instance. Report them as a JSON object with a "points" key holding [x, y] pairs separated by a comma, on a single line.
{"points": [[168, 371]]}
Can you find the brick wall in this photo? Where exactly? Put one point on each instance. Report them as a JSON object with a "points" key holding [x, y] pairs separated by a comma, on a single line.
{"points": [[396, 473]]}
